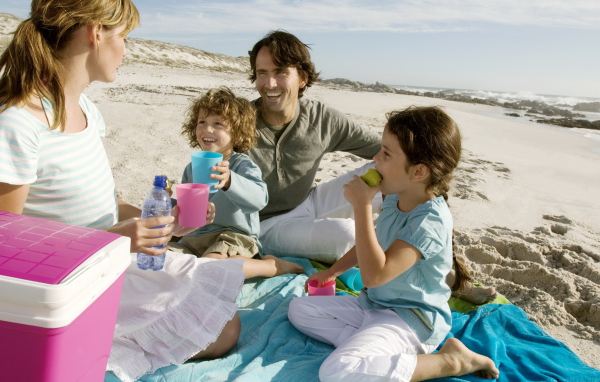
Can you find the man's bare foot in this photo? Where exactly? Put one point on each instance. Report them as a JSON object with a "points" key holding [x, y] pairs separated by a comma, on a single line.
{"points": [[476, 294], [466, 361], [284, 267]]}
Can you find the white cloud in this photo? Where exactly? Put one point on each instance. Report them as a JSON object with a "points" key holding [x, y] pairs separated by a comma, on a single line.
{"points": [[218, 17]]}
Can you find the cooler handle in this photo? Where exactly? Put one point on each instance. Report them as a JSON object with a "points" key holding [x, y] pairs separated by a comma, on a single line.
{"points": [[93, 261]]}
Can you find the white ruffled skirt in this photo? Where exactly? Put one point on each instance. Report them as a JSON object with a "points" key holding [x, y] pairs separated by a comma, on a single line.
{"points": [[166, 317]]}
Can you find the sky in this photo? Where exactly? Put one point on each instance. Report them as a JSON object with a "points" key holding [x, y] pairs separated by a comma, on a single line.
{"points": [[547, 47]]}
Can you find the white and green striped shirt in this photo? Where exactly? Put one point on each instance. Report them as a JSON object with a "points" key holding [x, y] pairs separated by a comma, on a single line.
{"points": [[69, 175]]}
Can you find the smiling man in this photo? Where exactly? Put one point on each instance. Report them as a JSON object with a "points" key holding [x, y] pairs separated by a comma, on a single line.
{"points": [[294, 134]]}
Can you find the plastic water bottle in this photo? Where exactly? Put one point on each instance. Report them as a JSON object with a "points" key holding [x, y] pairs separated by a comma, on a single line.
{"points": [[157, 203]]}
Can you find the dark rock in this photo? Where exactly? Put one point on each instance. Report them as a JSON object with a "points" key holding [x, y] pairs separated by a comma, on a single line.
{"points": [[512, 114], [570, 122], [359, 86], [593, 107], [552, 111]]}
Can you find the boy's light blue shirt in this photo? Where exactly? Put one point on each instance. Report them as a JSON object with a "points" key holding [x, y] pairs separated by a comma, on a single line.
{"points": [[420, 294], [237, 208]]}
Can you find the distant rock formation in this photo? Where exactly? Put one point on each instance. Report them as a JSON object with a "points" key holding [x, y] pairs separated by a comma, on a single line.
{"points": [[570, 122], [593, 107], [537, 107], [343, 83]]}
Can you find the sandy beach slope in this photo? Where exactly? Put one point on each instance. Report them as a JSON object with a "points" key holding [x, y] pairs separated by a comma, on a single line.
{"points": [[526, 198]]}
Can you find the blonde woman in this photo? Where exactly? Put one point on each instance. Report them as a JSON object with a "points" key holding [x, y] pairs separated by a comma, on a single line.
{"points": [[54, 166]]}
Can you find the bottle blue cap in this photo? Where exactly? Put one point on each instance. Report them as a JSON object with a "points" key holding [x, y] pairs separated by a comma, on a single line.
{"points": [[160, 181]]}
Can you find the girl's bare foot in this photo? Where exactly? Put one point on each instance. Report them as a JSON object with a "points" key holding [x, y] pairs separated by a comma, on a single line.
{"points": [[282, 266], [476, 294], [466, 361]]}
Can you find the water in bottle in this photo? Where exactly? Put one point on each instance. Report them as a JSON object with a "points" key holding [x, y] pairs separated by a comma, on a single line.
{"points": [[157, 203]]}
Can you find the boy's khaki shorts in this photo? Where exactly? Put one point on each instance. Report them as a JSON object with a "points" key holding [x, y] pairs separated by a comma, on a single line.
{"points": [[229, 242]]}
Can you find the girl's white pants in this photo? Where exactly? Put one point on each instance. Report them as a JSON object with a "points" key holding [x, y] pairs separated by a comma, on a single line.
{"points": [[371, 345]]}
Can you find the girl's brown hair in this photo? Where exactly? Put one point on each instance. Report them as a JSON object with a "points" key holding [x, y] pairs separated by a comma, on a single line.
{"points": [[237, 111], [31, 65], [428, 136]]}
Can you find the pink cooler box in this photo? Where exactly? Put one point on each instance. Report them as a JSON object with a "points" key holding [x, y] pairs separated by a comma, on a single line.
{"points": [[60, 287]]}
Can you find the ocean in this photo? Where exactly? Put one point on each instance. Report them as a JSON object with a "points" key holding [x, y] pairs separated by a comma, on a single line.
{"points": [[562, 102]]}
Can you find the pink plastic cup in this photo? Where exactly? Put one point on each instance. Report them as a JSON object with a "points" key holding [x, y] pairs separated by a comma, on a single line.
{"points": [[326, 290], [192, 199]]}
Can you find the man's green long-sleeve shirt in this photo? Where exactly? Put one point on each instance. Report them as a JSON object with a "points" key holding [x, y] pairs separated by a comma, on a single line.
{"points": [[289, 165]]}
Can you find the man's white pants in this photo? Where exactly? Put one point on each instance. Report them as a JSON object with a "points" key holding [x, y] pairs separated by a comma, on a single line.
{"points": [[320, 228], [371, 345]]}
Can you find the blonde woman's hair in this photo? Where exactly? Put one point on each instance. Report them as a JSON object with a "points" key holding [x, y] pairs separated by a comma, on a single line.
{"points": [[237, 111], [31, 64]]}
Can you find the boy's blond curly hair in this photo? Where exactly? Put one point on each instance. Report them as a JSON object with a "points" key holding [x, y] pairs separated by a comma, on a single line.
{"points": [[237, 111]]}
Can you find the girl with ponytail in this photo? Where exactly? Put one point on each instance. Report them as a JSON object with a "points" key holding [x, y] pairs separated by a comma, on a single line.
{"points": [[401, 316], [430, 137]]}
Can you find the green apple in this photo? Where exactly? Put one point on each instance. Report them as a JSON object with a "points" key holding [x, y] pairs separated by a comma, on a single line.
{"points": [[372, 177]]}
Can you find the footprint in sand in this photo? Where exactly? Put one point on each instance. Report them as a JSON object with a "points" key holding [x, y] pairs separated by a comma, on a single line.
{"points": [[558, 218], [470, 173], [559, 229]]}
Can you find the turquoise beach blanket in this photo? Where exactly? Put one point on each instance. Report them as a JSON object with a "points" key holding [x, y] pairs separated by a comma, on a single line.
{"points": [[271, 349]]}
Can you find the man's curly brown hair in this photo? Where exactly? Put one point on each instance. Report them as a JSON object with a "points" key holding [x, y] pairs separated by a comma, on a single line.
{"points": [[237, 111]]}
